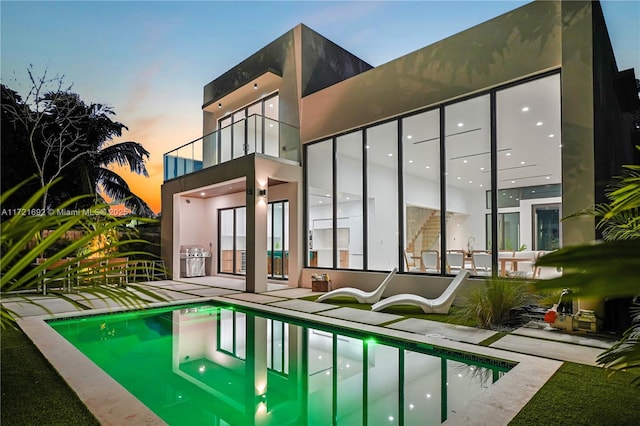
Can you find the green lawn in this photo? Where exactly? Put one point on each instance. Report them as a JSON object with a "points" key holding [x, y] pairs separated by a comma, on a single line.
{"points": [[32, 391]]}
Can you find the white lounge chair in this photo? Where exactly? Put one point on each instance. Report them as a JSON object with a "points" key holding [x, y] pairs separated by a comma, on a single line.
{"points": [[440, 305], [359, 295]]}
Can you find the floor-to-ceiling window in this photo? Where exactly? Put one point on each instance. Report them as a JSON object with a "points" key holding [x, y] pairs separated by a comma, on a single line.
{"points": [[349, 199], [529, 155], [382, 196], [320, 203], [468, 177], [421, 183], [499, 149]]}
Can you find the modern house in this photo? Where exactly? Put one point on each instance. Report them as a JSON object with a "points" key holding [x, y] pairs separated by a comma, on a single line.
{"points": [[315, 161]]}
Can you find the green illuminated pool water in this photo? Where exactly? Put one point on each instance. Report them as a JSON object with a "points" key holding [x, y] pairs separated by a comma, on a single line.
{"points": [[216, 365]]}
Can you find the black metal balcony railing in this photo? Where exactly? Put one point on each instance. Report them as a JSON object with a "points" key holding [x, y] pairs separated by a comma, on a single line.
{"points": [[253, 134]]}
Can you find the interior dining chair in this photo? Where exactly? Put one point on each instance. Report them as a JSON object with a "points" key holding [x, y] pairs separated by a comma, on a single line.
{"points": [[430, 261], [410, 262], [481, 262], [455, 261]]}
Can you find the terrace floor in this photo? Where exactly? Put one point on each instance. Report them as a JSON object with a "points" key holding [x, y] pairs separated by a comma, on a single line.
{"points": [[535, 347]]}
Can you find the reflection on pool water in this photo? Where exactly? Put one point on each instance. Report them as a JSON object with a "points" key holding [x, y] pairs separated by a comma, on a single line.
{"points": [[206, 364]]}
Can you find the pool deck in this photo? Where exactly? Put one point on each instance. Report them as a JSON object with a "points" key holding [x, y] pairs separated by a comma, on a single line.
{"points": [[539, 351]]}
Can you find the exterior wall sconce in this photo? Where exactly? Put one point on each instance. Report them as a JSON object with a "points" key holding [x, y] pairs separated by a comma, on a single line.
{"points": [[219, 105], [262, 192], [255, 86]]}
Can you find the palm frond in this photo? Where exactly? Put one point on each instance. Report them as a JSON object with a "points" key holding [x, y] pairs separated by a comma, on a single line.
{"points": [[116, 188], [130, 154], [19, 270]]}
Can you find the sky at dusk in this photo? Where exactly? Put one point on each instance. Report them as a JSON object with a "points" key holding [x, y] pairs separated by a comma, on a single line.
{"points": [[150, 60]]}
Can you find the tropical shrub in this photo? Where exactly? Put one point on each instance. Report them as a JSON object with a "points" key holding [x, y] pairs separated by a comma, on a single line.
{"points": [[492, 301], [20, 273], [608, 268]]}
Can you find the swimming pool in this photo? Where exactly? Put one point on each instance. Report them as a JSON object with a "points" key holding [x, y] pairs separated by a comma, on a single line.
{"points": [[224, 365]]}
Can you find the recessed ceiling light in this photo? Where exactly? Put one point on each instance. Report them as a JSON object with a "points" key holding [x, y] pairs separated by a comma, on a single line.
{"points": [[409, 137], [513, 181], [348, 198], [410, 161], [481, 168], [460, 124], [458, 178], [539, 123], [560, 146], [470, 181], [203, 194], [525, 109], [523, 162], [508, 154], [270, 105], [465, 161], [367, 146], [533, 191], [510, 196], [427, 167], [320, 202], [548, 177], [390, 154], [552, 135], [481, 185], [328, 195]]}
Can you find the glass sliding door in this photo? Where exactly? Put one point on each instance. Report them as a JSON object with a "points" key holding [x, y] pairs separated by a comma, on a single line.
{"points": [[468, 177], [225, 142], [239, 128], [382, 193], [421, 183], [278, 239], [320, 203], [546, 225], [232, 241], [226, 241], [271, 127]]}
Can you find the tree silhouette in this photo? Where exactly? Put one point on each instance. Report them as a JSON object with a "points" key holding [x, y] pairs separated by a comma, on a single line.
{"points": [[69, 139]]}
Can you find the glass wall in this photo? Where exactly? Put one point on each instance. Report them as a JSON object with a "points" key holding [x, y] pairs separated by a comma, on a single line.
{"points": [[513, 144], [421, 183], [382, 196], [320, 203]]}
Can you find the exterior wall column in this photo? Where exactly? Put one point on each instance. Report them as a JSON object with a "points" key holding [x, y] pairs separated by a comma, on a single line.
{"points": [[256, 229]]}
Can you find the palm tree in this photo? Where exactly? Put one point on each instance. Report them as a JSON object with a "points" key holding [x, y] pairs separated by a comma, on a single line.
{"points": [[55, 134], [93, 169]]}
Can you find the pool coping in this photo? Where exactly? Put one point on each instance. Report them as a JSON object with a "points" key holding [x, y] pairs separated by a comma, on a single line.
{"points": [[112, 404]]}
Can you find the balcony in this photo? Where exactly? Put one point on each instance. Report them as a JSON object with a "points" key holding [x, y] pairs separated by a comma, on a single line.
{"points": [[255, 133]]}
